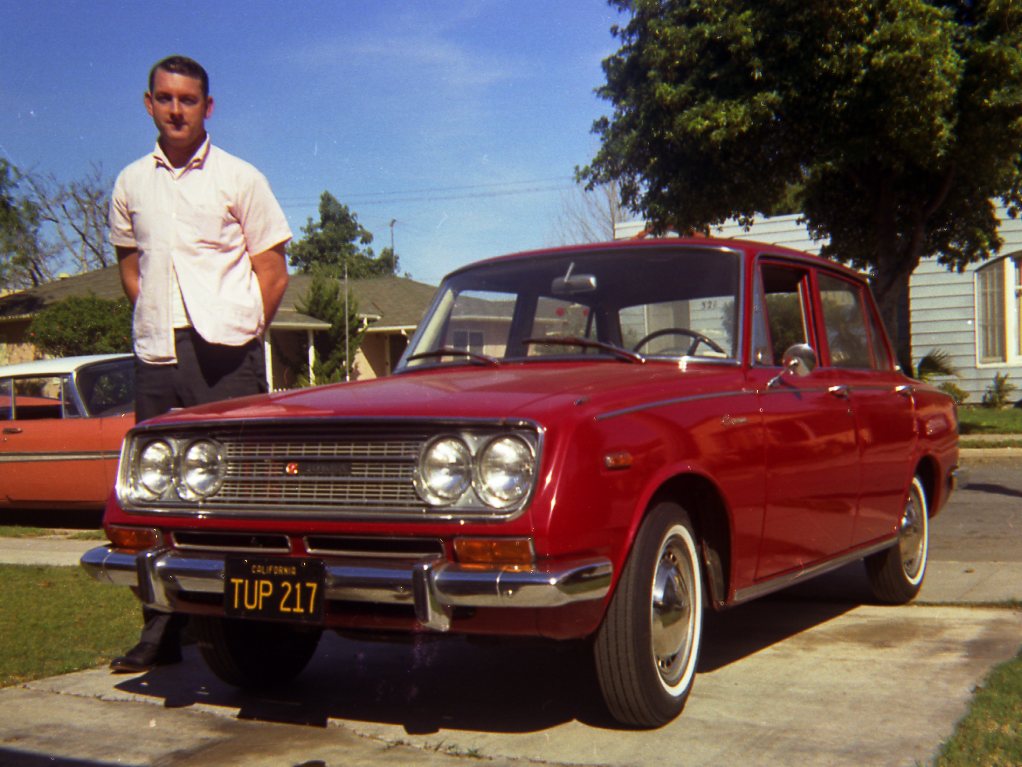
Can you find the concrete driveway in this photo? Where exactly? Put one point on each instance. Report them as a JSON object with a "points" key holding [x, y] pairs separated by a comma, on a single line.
{"points": [[810, 677]]}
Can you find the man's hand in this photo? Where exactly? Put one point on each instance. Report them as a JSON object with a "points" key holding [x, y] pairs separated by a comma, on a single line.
{"points": [[270, 269], [127, 262]]}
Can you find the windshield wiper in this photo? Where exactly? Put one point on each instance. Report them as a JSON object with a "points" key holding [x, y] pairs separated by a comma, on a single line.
{"points": [[587, 343], [450, 351]]}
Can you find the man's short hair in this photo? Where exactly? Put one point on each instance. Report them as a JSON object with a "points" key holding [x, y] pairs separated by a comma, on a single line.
{"points": [[181, 65]]}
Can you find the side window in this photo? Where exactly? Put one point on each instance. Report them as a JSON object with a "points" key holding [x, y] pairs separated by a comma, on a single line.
{"points": [[779, 313], [5, 400], [108, 389], [38, 397], [876, 338], [844, 319]]}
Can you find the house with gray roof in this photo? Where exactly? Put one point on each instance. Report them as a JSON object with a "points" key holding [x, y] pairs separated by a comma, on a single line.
{"points": [[389, 308]]}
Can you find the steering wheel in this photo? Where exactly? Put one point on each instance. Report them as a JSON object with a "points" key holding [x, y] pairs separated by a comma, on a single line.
{"points": [[697, 338]]}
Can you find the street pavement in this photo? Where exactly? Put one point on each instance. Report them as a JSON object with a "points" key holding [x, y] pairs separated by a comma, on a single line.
{"points": [[813, 676]]}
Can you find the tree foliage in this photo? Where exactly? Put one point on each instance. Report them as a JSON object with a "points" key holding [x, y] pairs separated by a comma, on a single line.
{"points": [[325, 300], [338, 240], [898, 122], [82, 325]]}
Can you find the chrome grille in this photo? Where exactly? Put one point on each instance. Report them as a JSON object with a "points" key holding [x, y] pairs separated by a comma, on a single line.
{"points": [[321, 469], [328, 468]]}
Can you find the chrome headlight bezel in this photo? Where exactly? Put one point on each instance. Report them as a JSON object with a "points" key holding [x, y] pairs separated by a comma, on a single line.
{"points": [[497, 483], [170, 463], [444, 470], [504, 471], [201, 469]]}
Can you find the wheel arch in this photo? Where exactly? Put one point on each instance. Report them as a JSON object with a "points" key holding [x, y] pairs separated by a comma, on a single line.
{"points": [[708, 513], [928, 472]]}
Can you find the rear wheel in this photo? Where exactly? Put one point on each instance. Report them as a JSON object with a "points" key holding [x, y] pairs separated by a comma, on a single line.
{"points": [[254, 654], [647, 648], [896, 574]]}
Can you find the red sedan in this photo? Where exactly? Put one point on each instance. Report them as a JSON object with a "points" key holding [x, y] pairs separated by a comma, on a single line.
{"points": [[599, 442]]}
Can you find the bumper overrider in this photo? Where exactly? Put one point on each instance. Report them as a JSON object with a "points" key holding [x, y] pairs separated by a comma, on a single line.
{"points": [[433, 586]]}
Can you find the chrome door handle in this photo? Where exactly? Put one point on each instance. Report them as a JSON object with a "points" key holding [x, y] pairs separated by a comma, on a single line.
{"points": [[12, 430], [839, 390], [905, 390]]}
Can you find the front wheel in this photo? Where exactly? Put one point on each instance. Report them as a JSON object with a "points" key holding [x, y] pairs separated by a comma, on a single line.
{"points": [[647, 647], [254, 655], [896, 574]]}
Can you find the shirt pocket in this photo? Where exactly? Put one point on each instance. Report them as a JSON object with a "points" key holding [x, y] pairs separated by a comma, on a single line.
{"points": [[207, 225]]}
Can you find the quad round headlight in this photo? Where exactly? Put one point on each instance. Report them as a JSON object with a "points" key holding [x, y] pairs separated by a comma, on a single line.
{"points": [[202, 470], [156, 468], [504, 471], [445, 471]]}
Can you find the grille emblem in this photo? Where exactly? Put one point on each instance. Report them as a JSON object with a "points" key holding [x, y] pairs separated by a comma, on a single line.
{"points": [[318, 468]]}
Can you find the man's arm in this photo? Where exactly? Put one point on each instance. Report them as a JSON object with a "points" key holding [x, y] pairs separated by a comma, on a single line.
{"points": [[127, 262], [270, 269]]}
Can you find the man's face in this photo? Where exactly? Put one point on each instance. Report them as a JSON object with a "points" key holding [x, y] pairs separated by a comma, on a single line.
{"points": [[179, 110]]}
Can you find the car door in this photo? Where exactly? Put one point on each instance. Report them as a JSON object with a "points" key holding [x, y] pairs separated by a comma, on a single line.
{"points": [[49, 453], [882, 401], [812, 460]]}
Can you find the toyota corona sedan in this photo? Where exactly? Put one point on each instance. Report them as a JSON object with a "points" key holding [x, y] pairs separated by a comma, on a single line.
{"points": [[596, 443], [62, 422]]}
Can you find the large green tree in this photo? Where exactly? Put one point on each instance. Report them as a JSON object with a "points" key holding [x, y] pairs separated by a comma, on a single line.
{"points": [[335, 347], [898, 122], [338, 240]]}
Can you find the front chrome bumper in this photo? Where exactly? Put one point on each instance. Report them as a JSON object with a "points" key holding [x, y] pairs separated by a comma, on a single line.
{"points": [[433, 586]]}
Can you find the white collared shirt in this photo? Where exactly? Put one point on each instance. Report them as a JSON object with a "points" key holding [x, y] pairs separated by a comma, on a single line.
{"points": [[195, 228]]}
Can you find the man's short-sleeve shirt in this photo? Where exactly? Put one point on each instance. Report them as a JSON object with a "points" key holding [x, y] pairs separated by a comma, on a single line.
{"points": [[198, 227]]}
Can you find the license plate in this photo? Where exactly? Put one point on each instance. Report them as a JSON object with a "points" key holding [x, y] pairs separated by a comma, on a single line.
{"points": [[274, 588]]}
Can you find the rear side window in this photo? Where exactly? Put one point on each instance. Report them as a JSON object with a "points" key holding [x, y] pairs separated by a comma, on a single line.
{"points": [[844, 320], [780, 317]]}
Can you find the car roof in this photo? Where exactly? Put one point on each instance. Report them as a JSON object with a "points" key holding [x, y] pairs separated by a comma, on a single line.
{"points": [[748, 247], [57, 366]]}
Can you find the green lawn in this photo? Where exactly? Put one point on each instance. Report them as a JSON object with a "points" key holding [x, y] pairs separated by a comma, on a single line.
{"points": [[985, 420], [991, 733], [54, 620]]}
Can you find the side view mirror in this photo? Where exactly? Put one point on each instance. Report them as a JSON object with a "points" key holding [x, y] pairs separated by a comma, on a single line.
{"points": [[799, 360]]}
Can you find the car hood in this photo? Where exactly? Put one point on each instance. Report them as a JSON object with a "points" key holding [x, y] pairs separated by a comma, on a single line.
{"points": [[533, 390]]}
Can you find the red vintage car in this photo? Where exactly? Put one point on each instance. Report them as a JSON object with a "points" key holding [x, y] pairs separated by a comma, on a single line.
{"points": [[596, 442], [62, 422]]}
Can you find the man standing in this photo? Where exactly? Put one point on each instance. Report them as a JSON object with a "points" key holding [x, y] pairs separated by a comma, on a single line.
{"points": [[200, 242]]}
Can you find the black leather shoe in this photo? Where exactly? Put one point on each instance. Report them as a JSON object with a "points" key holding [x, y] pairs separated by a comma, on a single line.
{"points": [[143, 657]]}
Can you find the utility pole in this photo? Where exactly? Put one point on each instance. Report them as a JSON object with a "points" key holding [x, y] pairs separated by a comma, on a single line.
{"points": [[392, 222]]}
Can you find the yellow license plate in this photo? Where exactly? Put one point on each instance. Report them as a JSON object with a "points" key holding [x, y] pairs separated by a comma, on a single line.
{"points": [[274, 588]]}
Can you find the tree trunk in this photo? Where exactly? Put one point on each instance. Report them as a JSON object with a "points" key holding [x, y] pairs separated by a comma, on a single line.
{"points": [[890, 286]]}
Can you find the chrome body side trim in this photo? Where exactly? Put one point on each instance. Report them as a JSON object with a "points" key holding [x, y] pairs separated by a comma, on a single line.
{"points": [[791, 578], [432, 586]]}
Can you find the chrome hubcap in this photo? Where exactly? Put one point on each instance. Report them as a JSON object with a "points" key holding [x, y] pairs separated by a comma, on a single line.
{"points": [[671, 612], [911, 537]]}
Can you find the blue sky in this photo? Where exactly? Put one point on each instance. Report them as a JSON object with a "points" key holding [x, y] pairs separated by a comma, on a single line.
{"points": [[464, 121]]}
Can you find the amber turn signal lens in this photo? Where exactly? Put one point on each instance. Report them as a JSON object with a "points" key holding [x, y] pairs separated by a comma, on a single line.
{"points": [[133, 538], [504, 552]]}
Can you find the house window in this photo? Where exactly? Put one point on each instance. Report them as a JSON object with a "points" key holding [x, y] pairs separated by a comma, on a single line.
{"points": [[998, 311]]}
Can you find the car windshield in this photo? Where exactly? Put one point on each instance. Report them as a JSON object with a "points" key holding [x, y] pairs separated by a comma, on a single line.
{"points": [[621, 304]]}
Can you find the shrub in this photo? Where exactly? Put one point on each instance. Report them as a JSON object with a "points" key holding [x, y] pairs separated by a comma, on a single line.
{"points": [[956, 392], [82, 325], [999, 391]]}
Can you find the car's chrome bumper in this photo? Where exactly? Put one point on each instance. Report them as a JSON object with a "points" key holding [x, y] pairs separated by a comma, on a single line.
{"points": [[433, 587]]}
